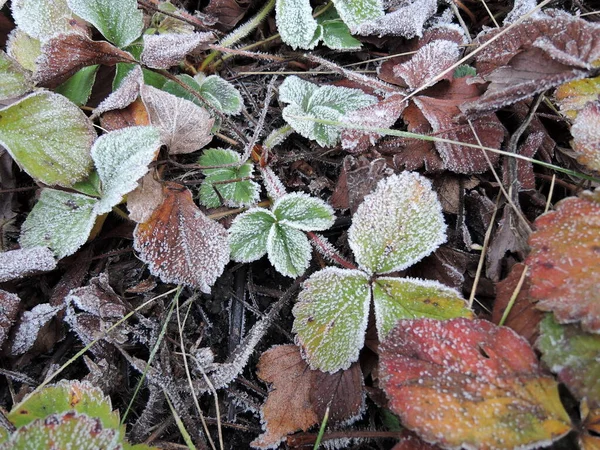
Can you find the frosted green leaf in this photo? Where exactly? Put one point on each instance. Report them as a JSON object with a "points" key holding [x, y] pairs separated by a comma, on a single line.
{"points": [[355, 12], [295, 23], [248, 234], [335, 33], [120, 22], [301, 211], [121, 158], [61, 221], [78, 88], [410, 298], [15, 81], [49, 137], [235, 193], [331, 317], [173, 88], [407, 20], [341, 99], [288, 250], [23, 48], [574, 356], [221, 94], [397, 225], [124, 95], [297, 91], [41, 19]]}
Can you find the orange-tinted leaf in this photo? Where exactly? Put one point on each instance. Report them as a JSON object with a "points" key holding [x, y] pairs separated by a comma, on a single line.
{"points": [[565, 262], [586, 139], [65, 54], [589, 439], [131, 116], [180, 244], [573, 96], [469, 383]]}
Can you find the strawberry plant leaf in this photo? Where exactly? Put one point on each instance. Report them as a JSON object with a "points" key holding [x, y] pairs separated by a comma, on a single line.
{"points": [[184, 127], [355, 12], [249, 233], [331, 317], [162, 51], [397, 225], [295, 23], [288, 250], [42, 19], [431, 59], [78, 88], [180, 244], [469, 383], [25, 261], [61, 221], [412, 298], [335, 33], [49, 137], [15, 80], [573, 355], [173, 88], [120, 23], [221, 94], [586, 140], [234, 193], [124, 95], [121, 158], [574, 95], [303, 212], [564, 262], [23, 48], [407, 20]]}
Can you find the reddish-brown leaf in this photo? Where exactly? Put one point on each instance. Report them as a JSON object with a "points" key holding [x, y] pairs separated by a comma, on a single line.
{"points": [[469, 383], [227, 12], [65, 54], [586, 137], [565, 261], [131, 116], [180, 244]]}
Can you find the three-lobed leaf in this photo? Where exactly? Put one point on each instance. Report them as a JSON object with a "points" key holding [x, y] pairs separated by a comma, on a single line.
{"points": [[248, 234]]}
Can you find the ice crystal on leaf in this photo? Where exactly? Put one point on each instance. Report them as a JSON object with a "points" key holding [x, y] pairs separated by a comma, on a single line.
{"points": [[30, 325], [301, 211], [61, 221], [162, 51], [249, 233], [295, 23], [121, 158], [23, 48], [221, 94], [49, 137], [25, 261], [42, 19], [586, 135], [356, 12], [119, 22], [184, 127], [124, 95], [407, 21], [142, 201], [15, 80], [308, 101], [9, 307]]}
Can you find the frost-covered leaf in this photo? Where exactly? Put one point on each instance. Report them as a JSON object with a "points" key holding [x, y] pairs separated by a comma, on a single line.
{"points": [[9, 307], [335, 33], [121, 158], [78, 88], [288, 250], [572, 97], [25, 261], [30, 325], [297, 91], [119, 22], [64, 54], [221, 94], [61, 221], [412, 298], [586, 138], [468, 383], [564, 262], [15, 80], [174, 88], [408, 20], [234, 193], [295, 23], [355, 12], [573, 355], [249, 233], [124, 95], [397, 225], [331, 317], [41, 19], [180, 244], [23, 48], [301, 211], [184, 127], [142, 201], [49, 137], [162, 51]]}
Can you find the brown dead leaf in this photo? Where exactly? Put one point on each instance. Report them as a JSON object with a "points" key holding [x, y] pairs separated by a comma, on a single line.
{"points": [[132, 115], [148, 196], [162, 51], [125, 94], [227, 12], [25, 261], [30, 328], [530, 146], [342, 392], [65, 54], [9, 307], [431, 59]]}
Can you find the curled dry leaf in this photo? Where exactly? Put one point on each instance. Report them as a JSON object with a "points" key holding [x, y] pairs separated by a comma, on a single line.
{"points": [[469, 383], [586, 135], [132, 115], [9, 307], [180, 244], [25, 261], [65, 54], [162, 51], [565, 263]]}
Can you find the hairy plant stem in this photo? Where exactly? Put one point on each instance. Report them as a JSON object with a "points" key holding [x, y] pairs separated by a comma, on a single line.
{"points": [[277, 136]]}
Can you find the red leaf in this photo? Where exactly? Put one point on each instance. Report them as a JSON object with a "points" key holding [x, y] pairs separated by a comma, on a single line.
{"points": [[469, 383], [565, 262]]}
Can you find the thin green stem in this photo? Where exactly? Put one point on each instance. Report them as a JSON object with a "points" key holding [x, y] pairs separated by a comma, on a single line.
{"points": [[277, 136]]}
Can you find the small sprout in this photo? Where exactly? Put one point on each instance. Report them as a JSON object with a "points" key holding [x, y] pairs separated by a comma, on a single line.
{"points": [[279, 232]]}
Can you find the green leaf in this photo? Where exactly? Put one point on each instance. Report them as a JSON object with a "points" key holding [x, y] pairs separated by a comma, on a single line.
{"points": [[574, 355], [121, 159], [15, 81], [397, 225], [464, 70], [288, 250], [173, 88], [49, 137], [119, 22], [42, 19], [78, 88], [248, 234], [410, 298], [23, 48], [221, 94], [331, 317], [295, 23], [303, 212], [355, 12], [151, 78], [296, 91], [90, 186], [335, 33], [61, 221], [235, 194]]}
